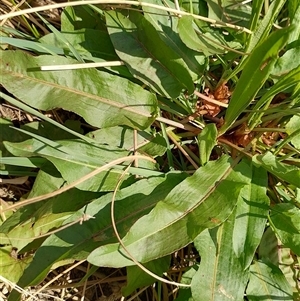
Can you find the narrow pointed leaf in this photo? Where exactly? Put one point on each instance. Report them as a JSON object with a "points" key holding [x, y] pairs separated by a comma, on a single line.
{"points": [[267, 283], [285, 172], [251, 216], [256, 71], [207, 140], [202, 201], [284, 83], [148, 58], [102, 99], [221, 275]]}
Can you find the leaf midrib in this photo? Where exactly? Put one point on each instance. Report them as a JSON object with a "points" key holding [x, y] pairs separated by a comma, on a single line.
{"points": [[77, 92]]}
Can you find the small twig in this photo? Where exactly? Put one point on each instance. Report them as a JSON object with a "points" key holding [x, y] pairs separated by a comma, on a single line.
{"points": [[216, 102], [176, 124], [183, 151], [85, 284]]}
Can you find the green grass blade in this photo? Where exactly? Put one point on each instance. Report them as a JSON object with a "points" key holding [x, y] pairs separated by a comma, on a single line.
{"points": [[256, 71]]}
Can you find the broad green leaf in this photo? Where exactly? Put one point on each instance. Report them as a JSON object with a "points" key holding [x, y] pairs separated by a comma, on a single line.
{"points": [[89, 42], [208, 43], [82, 157], [221, 275], [103, 100], [285, 172], [251, 216], [93, 45], [267, 283], [79, 240], [166, 27], [202, 201], [137, 278], [292, 126], [12, 267], [256, 71], [207, 140], [285, 221], [147, 57]]}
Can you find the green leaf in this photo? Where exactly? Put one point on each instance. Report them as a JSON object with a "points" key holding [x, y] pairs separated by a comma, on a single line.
{"points": [[285, 221], [229, 11], [268, 247], [287, 62], [292, 126], [28, 223], [79, 240], [88, 42], [137, 278], [221, 276], [70, 155], [185, 294], [202, 201], [147, 57], [267, 283], [207, 140], [256, 71], [93, 45], [260, 28], [122, 137], [33, 46], [81, 17], [166, 28], [196, 42], [103, 100], [263, 27], [283, 84], [12, 267], [251, 216], [285, 172]]}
